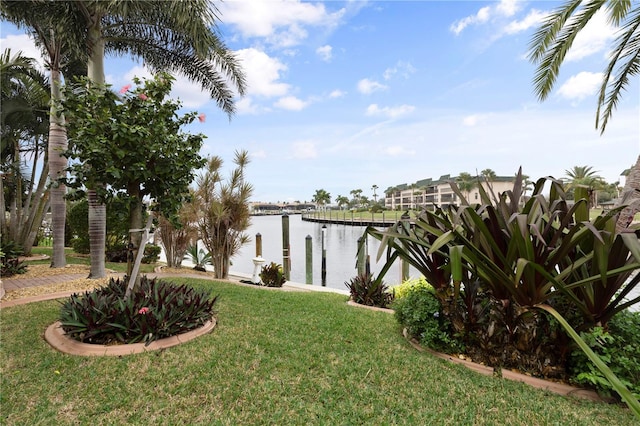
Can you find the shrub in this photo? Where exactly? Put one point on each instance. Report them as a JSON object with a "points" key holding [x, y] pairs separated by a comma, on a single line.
{"points": [[80, 245], [366, 290], [272, 275], [155, 310], [420, 312], [151, 253], [9, 263], [619, 347], [199, 258], [403, 289]]}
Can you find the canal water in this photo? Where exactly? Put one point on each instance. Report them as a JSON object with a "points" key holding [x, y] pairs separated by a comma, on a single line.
{"points": [[341, 245]]}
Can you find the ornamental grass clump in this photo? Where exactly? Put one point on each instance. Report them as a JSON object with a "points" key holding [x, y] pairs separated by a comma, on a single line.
{"points": [[155, 309]]}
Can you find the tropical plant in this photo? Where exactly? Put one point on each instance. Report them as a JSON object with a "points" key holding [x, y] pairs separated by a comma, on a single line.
{"points": [[223, 210], [198, 257], [154, 31], [24, 127], [374, 188], [341, 200], [155, 310], [321, 198], [151, 253], [272, 275], [553, 40], [10, 264], [53, 25], [518, 262], [175, 238], [366, 290], [466, 183], [133, 142]]}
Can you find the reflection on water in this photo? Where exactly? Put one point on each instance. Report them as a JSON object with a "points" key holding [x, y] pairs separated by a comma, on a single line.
{"points": [[341, 244]]}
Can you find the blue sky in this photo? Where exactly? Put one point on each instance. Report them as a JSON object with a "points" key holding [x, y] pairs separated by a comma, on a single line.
{"points": [[345, 95]]}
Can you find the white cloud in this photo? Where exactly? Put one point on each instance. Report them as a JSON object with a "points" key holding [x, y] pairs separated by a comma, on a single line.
{"points": [[261, 153], [581, 85], [593, 38], [390, 112], [367, 86], [304, 150], [263, 73], [246, 106], [502, 9], [533, 18], [337, 94], [404, 69], [280, 23], [472, 120], [23, 43], [324, 52], [291, 103], [480, 17]]}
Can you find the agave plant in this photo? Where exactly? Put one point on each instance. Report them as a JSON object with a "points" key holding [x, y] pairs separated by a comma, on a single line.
{"points": [[198, 257]]}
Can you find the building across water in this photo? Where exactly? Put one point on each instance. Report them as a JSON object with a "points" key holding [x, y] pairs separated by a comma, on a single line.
{"points": [[427, 193]]}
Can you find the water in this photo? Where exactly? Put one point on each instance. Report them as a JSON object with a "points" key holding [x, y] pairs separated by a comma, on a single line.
{"points": [[341, 244]]}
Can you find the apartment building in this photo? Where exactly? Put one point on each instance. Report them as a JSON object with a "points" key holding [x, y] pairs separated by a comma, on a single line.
{"points": [[428, 193]]}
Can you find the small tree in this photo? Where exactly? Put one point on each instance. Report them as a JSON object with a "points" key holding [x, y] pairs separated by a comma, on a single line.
{"points": [[176, 239], [133, 143], [223, 211]]}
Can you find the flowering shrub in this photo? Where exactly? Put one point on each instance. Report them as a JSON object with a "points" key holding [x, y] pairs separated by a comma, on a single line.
{"points": [[155, 310]]}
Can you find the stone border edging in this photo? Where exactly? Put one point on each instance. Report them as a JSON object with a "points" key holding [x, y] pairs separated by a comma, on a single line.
{"points": [[555, 387], [56, 337]]}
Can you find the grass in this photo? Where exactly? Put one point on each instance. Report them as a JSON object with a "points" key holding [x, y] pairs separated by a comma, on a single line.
{"points": [[274, 358]]}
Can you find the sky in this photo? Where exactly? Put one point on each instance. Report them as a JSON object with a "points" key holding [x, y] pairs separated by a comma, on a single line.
{"points": [[348, 95]]}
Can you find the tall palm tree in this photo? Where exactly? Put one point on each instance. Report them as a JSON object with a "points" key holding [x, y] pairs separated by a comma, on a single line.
{"points": [[24, 126], [553, 40], [342, 201], [52, 26], [489, 176], [375, 196], [174, 36]]}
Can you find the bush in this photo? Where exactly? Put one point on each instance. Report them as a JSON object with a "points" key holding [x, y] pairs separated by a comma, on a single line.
{"points": [[403, 289], [151, 253], [419, 311], [80, 245], [156, 309], [619, 348], [9, 263], [365, 290], [272, 275]]}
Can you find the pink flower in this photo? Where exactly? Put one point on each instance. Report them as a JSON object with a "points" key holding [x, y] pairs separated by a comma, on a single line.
{"points": [[125, 89], [144, 311], [143, 96], [201, 117]]}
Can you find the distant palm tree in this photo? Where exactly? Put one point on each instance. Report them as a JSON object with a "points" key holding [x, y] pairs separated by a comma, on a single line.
{"points": [[342, 201], [553, 40], [375, 196], [489, 176], [466, 183], [585, 177], [321, 198]]}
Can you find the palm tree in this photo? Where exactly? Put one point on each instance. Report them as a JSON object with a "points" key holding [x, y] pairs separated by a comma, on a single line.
{"points": [[489, 176], [52, 25], [342, 201], [24, 124], [174, 36], [552, 41], [584, 177], [321, 197], [356, 194], [466, 183], [375, 196]]}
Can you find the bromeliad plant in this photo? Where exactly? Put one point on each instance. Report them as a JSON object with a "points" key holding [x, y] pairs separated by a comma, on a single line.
{"points": [[156, 309], [366, 290], [518, 259]]}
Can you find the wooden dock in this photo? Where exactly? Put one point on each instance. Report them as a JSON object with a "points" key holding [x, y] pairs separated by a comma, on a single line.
{"points": [[351, 220]]}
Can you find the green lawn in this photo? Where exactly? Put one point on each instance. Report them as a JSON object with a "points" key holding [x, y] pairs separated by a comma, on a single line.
{"points": [[83, 259], [274, 358]]}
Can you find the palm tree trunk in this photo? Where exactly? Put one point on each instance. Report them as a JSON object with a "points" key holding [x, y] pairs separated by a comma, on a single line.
{"points": [[97, 209], [57, 166], [632, 186], [97, 231]]}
